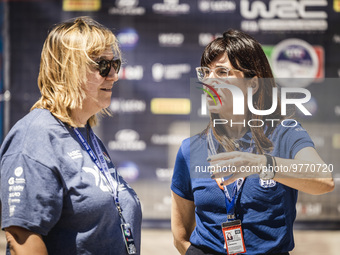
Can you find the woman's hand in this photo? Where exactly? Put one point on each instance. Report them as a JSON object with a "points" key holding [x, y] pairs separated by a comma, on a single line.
{"points": [[236, 164], [306, 178]]}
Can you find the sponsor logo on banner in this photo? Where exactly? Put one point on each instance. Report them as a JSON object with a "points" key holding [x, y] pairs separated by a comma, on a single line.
{"points": [[309, 209], [169, 72], [164, 174], [336, 38], [216, 6], [128, 170], [127, 7], [167, 139], [128, 38], [127, 140], [170, 106], [336, 5], [171, 39], [81, 5], [171, 7], [131, 73], [283, 15], [205, 38], [295, 58], [127, 105]]}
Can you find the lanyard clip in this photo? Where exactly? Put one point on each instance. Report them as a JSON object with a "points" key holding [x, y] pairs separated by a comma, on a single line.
{"points": [[119, 208], [231, 217]]}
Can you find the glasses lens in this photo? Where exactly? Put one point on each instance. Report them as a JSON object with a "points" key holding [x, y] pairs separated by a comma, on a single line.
{"points": [[222, 72], [202, 73]]}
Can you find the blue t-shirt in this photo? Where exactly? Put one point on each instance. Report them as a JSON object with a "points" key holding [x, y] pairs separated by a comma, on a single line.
{"points": [[51, 186], [266, 209]]}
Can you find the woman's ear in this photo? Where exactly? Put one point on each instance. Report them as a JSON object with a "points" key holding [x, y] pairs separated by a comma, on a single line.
{"points": [[254, 84]]}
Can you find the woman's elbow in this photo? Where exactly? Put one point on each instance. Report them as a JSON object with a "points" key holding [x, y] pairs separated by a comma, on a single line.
{"points": [[327, 185], [330, 186]]}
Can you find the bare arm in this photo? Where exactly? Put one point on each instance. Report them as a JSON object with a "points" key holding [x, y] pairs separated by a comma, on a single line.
{"points": [[306, 177], [24, 242], [182, 221]]}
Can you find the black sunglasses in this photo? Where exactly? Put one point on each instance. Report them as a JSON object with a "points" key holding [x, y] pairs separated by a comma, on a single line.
{"points": [[104, 66]]}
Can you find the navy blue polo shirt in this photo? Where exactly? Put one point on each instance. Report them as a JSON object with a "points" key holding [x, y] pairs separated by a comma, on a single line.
{"points": [[267, 212]]}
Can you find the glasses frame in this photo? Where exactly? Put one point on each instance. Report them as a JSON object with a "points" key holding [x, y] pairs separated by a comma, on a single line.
{"points": [[105, 69], [213, 70]]}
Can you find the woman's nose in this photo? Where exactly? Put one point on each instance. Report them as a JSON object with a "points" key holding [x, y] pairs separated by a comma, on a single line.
{"points": [[211, 80], [113, 75], [211, 75]]}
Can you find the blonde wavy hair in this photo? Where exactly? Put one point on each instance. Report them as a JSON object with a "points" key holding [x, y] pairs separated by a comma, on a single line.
{"points": [[66, 57]]}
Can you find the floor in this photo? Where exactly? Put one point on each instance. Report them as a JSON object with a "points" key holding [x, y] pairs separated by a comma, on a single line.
{"points": [[307, 242]]}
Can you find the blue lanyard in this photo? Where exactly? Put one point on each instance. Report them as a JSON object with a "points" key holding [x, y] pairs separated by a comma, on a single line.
{"points": [[101, 162], [229, 200]]}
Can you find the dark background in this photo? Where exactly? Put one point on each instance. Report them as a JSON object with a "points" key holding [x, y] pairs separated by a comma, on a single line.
{"points": [[162, 42]]}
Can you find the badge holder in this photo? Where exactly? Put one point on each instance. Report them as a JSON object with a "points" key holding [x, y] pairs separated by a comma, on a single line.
{"points": [[128, 238], [232, 232]]}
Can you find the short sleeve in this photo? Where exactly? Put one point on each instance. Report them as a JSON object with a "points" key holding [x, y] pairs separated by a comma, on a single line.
{"points": [[181, 182], [299, 139], [31, 194], [290, 139]]}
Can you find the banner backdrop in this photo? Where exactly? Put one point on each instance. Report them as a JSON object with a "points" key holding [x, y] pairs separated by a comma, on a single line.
{"points": [[162, 42]]}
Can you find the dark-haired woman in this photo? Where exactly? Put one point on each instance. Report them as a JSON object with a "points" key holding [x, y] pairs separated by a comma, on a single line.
{"points": [[253, 197]]}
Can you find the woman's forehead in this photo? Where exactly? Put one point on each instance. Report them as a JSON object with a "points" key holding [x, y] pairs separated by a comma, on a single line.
{"points": [[221, 60], [108, 53]]}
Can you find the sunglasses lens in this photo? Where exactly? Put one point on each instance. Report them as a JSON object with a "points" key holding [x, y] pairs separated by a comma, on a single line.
{"points": [[116, 65], [104, 67]]}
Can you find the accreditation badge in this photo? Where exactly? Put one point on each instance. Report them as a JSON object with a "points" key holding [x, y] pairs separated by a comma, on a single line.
{"points": [[128, 238], [233, 237]]}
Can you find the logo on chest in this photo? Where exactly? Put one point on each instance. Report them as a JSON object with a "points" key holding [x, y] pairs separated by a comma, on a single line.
{"points": [[267, 183], [99, 179]]}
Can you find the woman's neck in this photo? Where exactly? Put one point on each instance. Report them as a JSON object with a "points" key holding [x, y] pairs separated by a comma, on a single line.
{"points": [[79, 117]]}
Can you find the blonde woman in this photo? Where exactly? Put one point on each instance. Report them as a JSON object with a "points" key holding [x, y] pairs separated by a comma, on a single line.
{"points": [[60, 191]]}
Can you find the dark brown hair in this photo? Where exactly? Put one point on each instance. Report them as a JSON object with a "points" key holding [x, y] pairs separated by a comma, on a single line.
{"points": [[245, 54]]}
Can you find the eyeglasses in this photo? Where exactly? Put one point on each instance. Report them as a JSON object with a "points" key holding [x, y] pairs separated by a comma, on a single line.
{"points": [[104, 66], [203, 72]]}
